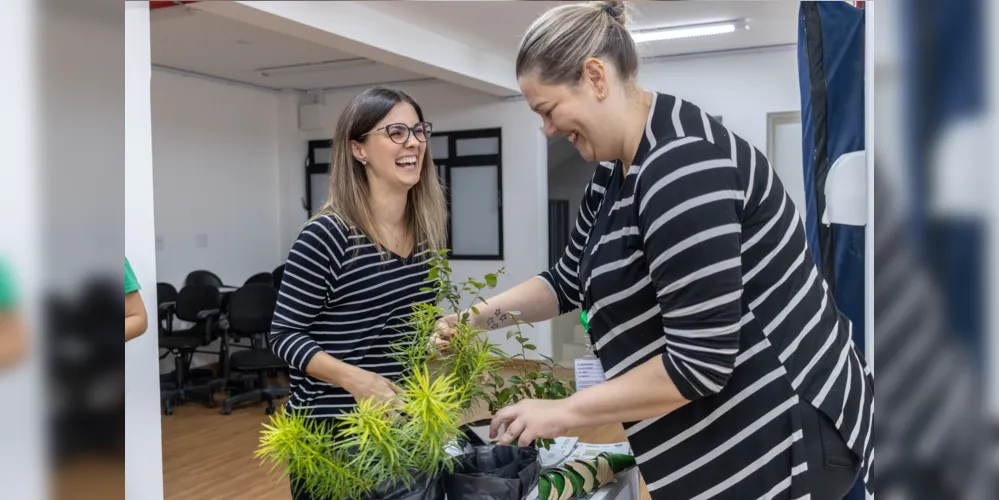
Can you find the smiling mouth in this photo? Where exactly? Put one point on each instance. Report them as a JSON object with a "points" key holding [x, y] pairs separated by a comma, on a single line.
{"points": [[406, 162]]}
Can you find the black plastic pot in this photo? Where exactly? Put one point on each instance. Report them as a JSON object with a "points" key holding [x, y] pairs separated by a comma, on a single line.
{"points": [[422, 487], [494, 472]]}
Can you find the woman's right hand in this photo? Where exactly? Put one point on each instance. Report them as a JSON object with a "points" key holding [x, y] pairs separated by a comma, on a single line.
{"points": [[365, 385], [443, 332]]}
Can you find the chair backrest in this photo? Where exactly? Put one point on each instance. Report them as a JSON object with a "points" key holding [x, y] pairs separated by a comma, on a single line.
{"points": [[251, 309], [193, 299], [261, 278], [165, 292], [278, 275], [202, 277]]}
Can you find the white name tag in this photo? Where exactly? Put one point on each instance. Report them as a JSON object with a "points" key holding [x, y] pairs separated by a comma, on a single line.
{"points": [[589, 372]]}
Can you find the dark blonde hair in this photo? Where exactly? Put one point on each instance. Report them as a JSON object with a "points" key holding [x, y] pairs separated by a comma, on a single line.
{"points": [[426, 219], [559, 42]]}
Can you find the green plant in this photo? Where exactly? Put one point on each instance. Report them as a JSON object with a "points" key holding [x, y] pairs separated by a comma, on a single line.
{"points": [[533, 380], [385, 443]]}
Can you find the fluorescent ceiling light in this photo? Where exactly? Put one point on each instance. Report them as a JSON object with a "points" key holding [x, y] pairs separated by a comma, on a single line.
{"points": [[689, 31], [316, 67]]}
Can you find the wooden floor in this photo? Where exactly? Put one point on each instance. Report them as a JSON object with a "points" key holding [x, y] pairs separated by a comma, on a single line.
{"points": [[209, 456]]}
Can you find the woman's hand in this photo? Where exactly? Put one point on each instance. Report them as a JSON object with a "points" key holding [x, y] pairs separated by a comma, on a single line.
{"points": [[533, 419], [365, 384], [443, 332]]}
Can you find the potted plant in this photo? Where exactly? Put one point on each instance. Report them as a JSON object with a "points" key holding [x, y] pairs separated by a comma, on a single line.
{"points": [[380, 450]]}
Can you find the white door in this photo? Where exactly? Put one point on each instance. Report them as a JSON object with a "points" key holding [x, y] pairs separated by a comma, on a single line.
{"points": [[785, 152]]}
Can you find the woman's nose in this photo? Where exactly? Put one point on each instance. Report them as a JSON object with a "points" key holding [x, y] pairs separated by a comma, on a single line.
{"points": [[549, 129]]}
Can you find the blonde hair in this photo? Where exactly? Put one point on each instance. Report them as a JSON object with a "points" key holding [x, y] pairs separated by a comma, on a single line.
{"points": [[559, 42], [426, 218]]}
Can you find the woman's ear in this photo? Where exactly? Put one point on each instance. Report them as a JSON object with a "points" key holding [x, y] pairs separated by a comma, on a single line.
{"points": [[357, 151], [595, 75]]}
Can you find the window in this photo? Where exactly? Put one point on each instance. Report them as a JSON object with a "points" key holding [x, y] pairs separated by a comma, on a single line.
{"points": [[317, 175], [469, 164]]}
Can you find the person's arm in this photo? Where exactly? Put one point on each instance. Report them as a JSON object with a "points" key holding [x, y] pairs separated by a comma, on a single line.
{"points": [[136, 321], [690, 210], [13, 333], [553, 292], [309, 276]]}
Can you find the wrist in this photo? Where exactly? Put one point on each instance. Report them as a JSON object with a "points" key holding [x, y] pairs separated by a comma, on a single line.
{"points": [[575, 416], [345, 375]]}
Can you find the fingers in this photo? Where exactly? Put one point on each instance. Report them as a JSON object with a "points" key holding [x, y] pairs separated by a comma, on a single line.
{"points": [[504, 416], [527, 438], [396, 389], [513, 431]]}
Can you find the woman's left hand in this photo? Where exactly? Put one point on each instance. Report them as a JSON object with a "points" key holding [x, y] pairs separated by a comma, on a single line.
{"points": [[532, 419]]}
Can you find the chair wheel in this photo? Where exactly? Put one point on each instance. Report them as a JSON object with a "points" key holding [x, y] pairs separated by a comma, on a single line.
{"points": [[226, 410], [168, 410], [269, 410]]}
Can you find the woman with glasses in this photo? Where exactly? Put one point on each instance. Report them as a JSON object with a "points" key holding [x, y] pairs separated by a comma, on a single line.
{"points": [[358, 266]]}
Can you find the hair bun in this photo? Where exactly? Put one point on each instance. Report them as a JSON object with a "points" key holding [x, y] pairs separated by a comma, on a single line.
{"points": [[615, 9]]}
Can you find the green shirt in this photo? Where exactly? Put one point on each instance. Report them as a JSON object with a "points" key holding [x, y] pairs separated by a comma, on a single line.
{"points": [[8, 292], [131, 282]]}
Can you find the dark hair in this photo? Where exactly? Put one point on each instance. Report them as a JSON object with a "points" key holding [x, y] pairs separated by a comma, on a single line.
{"points": [[366, 109], [559, 42], [347, 201]]}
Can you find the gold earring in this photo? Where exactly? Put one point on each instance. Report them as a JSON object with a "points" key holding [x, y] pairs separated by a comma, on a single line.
{"points": [[601, 96]]}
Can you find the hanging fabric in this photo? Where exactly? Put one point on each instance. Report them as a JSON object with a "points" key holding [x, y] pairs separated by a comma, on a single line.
{"points": [[831, 78]]}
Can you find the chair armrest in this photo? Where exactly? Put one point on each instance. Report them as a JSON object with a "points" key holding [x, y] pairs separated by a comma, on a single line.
{"points": [[166, 306], [208, 313]]}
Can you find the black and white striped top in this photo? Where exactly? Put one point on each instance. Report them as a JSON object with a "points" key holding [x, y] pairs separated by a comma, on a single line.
{"points": [[340, 296], [698, 257]]}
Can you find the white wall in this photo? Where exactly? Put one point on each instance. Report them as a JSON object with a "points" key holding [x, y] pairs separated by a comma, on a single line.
{"points": [[143, 451], [216, 155], [741, 87], [525, 190]]}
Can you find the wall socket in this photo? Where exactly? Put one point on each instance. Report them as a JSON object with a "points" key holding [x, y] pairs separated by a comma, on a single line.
{"points": [[201, 240]]}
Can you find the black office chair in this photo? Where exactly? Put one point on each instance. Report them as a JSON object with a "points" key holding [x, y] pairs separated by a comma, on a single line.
{"points": [[203, 277], [260, 278], [250, 312], [278, 275], [166, 303], [198, 304]]}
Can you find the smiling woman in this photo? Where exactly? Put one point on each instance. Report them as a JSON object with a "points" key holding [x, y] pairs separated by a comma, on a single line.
{"points": [[726, 358], [360, 264]]}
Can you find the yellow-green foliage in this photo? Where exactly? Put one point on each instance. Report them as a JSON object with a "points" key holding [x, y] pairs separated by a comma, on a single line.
{"points": [[381, 443]]}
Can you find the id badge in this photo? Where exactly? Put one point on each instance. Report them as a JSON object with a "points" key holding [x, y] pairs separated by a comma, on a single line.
{"points": [[588, 370]]}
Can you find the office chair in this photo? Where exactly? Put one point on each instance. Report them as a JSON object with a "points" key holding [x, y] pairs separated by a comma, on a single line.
{"points": [[166, 303], [278, 275], [262, 278], [250, 312], [198, 304], [203, 277]]}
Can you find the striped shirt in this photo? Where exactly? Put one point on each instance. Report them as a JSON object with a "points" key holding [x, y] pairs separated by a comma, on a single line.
{"points": [[698, 257], [340, 296]]}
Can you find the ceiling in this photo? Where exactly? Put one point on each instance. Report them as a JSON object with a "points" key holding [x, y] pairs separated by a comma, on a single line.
{"points": [[200, 42], [771, 22]]}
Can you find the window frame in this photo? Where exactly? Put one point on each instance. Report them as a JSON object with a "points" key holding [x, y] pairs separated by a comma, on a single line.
{"points": [[453, 161]]}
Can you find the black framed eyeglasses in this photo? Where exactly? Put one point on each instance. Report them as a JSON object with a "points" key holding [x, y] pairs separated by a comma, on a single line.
{"points": [[399, 132]]}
